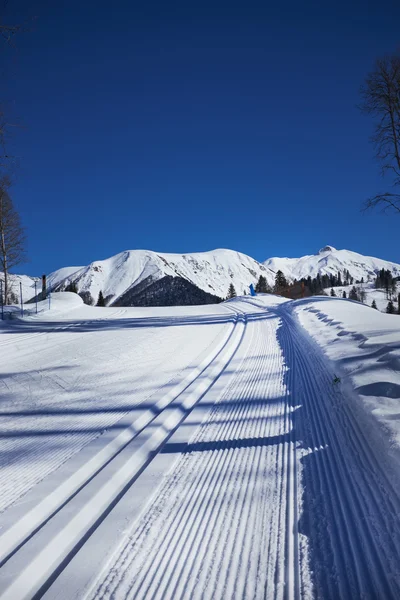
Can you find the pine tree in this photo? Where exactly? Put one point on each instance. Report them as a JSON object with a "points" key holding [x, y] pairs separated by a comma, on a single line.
{"points": [[333, 293], [353, 295], [72, 287], [262, 286], [390, 308], [344, 295], [373, 305], [280, 282], [231, 291], [100, 300]]}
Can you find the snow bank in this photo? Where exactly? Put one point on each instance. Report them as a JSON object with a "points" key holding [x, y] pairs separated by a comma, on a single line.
{"points": [[365, 344]]}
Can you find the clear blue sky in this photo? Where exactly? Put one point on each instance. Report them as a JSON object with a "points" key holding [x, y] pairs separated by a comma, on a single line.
{"points": [[190, 126]]}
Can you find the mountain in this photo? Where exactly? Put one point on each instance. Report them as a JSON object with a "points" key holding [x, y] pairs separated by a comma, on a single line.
{"points": [[28, 286], [330, 261], [146, 278]]}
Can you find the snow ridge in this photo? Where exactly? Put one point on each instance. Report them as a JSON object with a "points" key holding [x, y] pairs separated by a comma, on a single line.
{"points": [[330, 261]]}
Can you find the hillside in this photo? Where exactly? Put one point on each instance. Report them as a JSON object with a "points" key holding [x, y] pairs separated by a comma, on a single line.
{"points": [[125, 277], [330, 261]]}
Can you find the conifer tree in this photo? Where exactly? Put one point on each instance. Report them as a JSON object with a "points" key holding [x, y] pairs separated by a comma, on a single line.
{"points": [[72, 287], [373, 305], [231, 291], [390, 308], [333, 293], [280, 282], [261, 285], [344, 295], [100, 300], [353, 295]]}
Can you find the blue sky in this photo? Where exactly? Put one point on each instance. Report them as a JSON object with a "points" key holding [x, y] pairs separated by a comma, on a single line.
{"points": [[187, 126]]}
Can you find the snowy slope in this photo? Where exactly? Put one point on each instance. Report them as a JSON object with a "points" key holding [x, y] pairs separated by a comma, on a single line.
{"points": [[210, 271], [28, 285], [366, 350], [370, 294], [200, 452], [330, 261]]}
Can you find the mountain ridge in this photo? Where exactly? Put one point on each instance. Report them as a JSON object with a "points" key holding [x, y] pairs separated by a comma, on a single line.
{"points": [[137, 275]]}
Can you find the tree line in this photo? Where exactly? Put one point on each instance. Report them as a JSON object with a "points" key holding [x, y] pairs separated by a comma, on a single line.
{"points": [[316, 286]]}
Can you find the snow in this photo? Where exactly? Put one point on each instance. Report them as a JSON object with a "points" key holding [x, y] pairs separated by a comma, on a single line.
{"points": [[200, 452], [365, 345], [330, 261], [28, 285], [211, 271], [371, 294]]}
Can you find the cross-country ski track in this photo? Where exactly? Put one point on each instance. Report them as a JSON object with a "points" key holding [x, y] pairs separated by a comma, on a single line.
{"points": [[192, 452]]}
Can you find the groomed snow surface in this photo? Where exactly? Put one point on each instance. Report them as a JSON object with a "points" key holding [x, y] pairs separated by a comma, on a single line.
{"points": [[200, 452]]}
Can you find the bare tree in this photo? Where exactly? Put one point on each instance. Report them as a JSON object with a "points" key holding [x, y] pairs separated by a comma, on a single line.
{"points": [[381, 99], [12, 236]]}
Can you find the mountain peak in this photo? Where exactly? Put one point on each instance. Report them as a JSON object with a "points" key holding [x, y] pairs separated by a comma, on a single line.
{"points": [[327, 249]]}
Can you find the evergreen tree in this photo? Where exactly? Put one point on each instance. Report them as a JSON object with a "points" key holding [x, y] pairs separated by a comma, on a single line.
{"points": [[344, 295], [390, 308], [353, 295], [72, 287], [373, 305], [100, 300], [261, 285], [333, 293], [339, 279], [280, 282], [231, 291]]}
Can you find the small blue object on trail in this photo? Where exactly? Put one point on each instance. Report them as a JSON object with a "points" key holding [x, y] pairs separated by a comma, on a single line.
{"points": [[252, 292]]}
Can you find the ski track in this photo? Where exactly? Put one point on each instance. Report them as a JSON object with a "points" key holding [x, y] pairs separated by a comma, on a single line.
{"points": [[226, 522], [221, 499], [60, 548], [277, 495], [34, 445]]}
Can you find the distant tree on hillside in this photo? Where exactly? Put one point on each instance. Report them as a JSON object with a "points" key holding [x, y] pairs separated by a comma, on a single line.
{"points": [[390, 308], [333, 293], [353, 295], [280, 282], [100, 299], [362, 295], [72, 287], [344, 295], [373, 305], [231, 291], [262, 285]]}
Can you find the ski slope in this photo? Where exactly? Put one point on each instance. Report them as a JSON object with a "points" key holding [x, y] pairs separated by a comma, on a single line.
{"points": [[192, 452]]}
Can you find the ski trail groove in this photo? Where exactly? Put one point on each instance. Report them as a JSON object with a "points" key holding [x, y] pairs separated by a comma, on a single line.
{"points": [[61, 548]]}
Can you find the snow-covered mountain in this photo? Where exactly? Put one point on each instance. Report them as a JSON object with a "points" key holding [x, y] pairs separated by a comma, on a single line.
{"points": [[143, 276], [28, 286], [331, 261]]}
